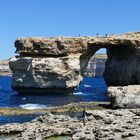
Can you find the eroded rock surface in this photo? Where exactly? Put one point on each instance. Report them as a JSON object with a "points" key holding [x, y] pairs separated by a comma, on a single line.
{"points": [[45, 74], [100, 124], [56, 64], [125, 97], [122, 66]]}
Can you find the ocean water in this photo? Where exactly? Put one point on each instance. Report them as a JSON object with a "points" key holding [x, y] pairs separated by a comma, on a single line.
{"points": [[90, 89], [4, 119]]}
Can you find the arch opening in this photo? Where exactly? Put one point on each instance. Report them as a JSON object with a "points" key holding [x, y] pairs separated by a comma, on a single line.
{"points": [[96, 64], [92, 68]]}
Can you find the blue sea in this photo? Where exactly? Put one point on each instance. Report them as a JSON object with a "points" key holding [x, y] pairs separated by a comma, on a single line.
{"points": [[90, 89]]}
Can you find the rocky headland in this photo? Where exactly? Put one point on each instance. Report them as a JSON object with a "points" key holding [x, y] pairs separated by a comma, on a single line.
{"points": [[57, 64]]}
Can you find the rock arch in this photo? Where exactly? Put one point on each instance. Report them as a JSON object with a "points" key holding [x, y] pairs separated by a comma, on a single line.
{"points": [[57, 64], [123, 62]]}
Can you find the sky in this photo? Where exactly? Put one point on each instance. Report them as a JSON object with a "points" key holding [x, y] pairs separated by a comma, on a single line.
{"points": [[48, 18]]}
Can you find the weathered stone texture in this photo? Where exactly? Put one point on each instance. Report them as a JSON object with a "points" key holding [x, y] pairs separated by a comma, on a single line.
{"points": [[125, 97], [58, 63], [54, 47], [100, 125], [47, 74], [122, 67]]}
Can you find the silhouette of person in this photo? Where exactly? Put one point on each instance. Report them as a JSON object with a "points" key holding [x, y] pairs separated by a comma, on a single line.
{"points": [[84, 117]]}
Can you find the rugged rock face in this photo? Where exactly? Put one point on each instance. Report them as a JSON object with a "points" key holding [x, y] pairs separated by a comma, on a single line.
{"points": [[47, 65], [122, 66], [45, 74], [50, 47], [125, 97], [56, 64], [100, 124]]}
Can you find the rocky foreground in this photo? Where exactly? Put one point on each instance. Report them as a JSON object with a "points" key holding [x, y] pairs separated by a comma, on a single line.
{"points": [[100, 125]]}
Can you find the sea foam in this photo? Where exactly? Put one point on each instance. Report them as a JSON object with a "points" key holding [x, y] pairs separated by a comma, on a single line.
{"points": [[33, 106]]}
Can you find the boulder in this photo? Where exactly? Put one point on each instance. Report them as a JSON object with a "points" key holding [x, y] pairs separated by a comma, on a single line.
{"points": [[124, 96]]}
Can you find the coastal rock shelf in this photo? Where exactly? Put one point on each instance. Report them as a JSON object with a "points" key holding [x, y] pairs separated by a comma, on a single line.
{"points": [[100, 124], [57, 64]]}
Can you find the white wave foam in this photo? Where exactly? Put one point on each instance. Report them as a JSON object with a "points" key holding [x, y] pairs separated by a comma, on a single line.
{"points": [[78, 93], [32, 106], [87, 85]]}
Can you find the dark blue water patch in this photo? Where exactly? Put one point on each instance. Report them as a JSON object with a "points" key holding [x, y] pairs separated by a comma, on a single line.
{"points": [[91, 84], [93, 89], [90, 89], [6, 91], [5, 83], [4, 119]]}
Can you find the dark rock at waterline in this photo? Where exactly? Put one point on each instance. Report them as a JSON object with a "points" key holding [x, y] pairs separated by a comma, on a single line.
{"points": [[45, 73], [42, 91]]}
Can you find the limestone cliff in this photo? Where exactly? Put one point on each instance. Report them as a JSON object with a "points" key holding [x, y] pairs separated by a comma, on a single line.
{"points": [[45, 74], [56, 64], [47, 64]]}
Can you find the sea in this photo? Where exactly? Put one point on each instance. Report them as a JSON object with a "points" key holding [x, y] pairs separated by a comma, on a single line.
{"points": [[91, 89]]}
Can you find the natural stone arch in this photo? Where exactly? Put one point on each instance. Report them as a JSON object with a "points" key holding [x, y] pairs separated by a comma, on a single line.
{"points": [[66, 57], [123, 60]]}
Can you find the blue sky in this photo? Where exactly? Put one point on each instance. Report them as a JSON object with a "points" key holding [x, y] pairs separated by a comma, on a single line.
{"points": [[47, 18]]}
